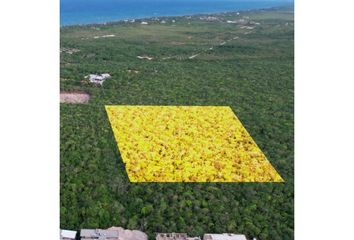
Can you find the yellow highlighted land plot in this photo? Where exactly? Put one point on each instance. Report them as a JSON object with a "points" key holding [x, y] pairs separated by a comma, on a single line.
{"points": [[187, 144]]}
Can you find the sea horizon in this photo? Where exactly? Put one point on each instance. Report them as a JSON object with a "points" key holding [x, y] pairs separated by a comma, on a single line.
{"points": [[86, 12]]}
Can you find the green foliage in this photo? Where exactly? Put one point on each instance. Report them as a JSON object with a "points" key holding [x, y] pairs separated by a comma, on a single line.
{"points": [[253, 75]]}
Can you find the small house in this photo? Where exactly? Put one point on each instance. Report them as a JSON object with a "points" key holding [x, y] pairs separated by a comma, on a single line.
{"points": [[67, 234], [175, 236], [224, 236], [98, 78], [89, 234]]}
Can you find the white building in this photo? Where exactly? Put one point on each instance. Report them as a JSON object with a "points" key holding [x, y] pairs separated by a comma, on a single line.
{"points": [[67, 234], [98, 78], [224, 236], [90, 234], [144, 23]]}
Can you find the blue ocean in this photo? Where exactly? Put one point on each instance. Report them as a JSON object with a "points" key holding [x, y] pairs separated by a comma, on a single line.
{"points": [[74, 12]]}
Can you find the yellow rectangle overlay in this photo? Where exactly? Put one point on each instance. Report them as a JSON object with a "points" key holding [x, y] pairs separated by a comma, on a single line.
{"points": [[187, 144]]}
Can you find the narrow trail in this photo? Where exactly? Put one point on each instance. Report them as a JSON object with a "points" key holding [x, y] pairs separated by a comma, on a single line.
{"points": [[196, 54], [193, 56], [206, 50]]}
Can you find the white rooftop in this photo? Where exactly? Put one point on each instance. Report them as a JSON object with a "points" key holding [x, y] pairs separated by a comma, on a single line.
{"points": [[224, 236], [68, 234]]}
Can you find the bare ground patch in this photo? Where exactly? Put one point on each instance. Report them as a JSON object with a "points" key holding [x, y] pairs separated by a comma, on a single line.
{"points": [[74, 97], [175, 43]]}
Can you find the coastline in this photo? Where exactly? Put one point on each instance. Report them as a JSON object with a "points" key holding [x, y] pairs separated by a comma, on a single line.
{"points": [[166, 17]]}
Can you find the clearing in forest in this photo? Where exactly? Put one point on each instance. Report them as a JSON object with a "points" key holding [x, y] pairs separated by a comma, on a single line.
{"points": [[187, 144], [74, 97]]}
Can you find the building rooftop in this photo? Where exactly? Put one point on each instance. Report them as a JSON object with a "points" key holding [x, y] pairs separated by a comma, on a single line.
{"points": [[87, 234], [67, 234], [171, 236], [224, 236], [175, 236]]}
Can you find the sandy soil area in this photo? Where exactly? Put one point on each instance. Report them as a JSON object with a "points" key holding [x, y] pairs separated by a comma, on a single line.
{"points": [[74, 97]]}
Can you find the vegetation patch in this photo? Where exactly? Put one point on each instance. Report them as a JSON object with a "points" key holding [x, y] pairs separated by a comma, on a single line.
{"points": [[187, 144]]}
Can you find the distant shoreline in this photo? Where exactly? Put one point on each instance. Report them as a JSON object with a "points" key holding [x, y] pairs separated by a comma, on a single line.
{"points": [[118, 21]]}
